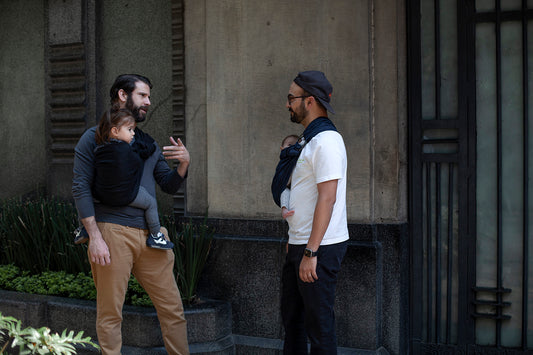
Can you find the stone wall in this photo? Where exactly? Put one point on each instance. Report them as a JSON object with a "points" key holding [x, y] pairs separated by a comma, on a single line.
{"points": [[245, 264], [22, 96], [220, 80], [240, 59], [136, 37]]}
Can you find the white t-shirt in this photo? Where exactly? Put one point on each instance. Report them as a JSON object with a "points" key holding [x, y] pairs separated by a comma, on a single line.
{"points": [[322, 159]]}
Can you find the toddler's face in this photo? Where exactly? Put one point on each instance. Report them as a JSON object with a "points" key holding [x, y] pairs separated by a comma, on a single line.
{"points": [[126, 132]]}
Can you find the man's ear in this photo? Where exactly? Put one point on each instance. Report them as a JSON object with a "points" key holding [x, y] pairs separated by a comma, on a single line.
{"points": [[311, 99], [122, 95]]}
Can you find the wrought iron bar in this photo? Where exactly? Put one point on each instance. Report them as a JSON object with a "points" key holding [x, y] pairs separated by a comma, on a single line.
{"points": [[436, 10], [499, 236], [525, 217], [429, 253], [450, 255], [438, 251], [498, 305]]}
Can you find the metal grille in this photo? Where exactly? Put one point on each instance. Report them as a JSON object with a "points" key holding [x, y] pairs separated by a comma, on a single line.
{"points": [[440, 282], [469, 73], [501, 297], [178, 91], [67, 100]]}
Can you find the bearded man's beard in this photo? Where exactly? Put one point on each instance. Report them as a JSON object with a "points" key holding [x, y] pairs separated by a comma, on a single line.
{"points": [[136, 110], [298, 117], [295, 117]]}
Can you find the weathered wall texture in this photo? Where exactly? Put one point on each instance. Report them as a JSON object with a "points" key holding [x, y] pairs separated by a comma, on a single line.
{"points": [[22, 112], [241, 57], [136, 38]]}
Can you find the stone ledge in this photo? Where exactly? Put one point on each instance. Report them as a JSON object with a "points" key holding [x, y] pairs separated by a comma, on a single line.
{"points": [[208, 323]]}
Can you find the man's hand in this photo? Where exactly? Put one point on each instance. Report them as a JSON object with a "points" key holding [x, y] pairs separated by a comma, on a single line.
{"points": [[308, 269], [98, 250], [177, 151]]}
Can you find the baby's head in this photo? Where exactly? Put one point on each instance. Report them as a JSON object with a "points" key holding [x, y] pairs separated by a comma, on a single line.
{"points": [[117, 124], [289, 140]]}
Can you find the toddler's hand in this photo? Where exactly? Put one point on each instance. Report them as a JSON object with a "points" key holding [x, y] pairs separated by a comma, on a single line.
{"points": [[286, 213]]}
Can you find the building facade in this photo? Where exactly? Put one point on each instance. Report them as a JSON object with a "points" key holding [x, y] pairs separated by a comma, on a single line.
{"points": [[431, 97]]}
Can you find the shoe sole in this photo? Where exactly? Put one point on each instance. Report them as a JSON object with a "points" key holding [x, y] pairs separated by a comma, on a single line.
{"points": [[160, 247]]}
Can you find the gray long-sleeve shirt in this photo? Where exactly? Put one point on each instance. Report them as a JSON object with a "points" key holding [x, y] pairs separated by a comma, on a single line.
{"points": [[156, 170]]}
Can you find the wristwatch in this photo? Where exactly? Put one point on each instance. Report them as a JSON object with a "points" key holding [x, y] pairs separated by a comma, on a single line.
{"points": [[309, 253]]}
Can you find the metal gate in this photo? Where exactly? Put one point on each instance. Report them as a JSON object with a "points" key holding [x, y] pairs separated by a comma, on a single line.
{"points": [[469, 69]]}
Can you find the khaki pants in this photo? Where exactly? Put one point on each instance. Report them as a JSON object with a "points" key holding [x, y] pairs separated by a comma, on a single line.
{"points": [[153, 268]]}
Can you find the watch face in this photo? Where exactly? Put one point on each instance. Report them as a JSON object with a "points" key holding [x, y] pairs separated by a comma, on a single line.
{"points": [[309, 253]]}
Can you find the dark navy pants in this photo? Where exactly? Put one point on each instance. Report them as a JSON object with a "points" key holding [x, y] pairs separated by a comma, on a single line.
{"points": [[307, 308]]}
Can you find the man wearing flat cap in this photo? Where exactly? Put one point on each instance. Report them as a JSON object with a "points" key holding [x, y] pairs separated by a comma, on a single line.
{"points": [[318, 230]]}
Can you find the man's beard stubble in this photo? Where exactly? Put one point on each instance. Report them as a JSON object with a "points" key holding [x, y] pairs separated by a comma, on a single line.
{"points": [[136, 110], [298, 117]]}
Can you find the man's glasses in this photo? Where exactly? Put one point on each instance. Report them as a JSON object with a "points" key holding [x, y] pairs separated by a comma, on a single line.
{"points": [[290, 98]]}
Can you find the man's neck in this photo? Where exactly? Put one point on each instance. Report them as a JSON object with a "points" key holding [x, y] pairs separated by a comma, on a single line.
{"points": [[307, 121]]}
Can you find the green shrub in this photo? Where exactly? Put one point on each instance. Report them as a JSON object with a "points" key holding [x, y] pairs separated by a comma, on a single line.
{"points": [[7, 274], [54, 283], [136, 295], [60, 283], [36, 235], [193, 244]]}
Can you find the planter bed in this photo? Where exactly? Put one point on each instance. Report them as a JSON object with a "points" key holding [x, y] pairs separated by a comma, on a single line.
{"points": [[208, 323]]}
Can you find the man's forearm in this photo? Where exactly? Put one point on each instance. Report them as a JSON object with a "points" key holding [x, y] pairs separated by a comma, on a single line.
{"points": [[327, 194], [321, 219], [92, 228], [182, 169]]}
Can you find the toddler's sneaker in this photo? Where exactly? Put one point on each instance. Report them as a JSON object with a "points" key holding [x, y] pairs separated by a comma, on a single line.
{"points": [[80, 235], [158, 241]]}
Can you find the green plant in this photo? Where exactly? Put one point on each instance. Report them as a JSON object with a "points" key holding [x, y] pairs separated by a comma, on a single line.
{"points": [[193, 244], [60, 283], [40, 341], [136, 295], [36, 235], [54, 283]]}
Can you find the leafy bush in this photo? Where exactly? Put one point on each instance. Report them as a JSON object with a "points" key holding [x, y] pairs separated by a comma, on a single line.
{"points": [[136, 295], [193, 243], [36, 235], [60, 283], [54, 283], [39, 341]]}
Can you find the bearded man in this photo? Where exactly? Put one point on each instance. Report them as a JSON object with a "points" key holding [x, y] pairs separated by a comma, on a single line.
{"points": [[318, 229], [117, 234]]}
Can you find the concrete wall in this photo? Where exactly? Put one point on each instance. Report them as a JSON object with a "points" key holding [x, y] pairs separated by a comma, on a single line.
{"points": [[241, 57], [136, 38], [22, 114]]}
